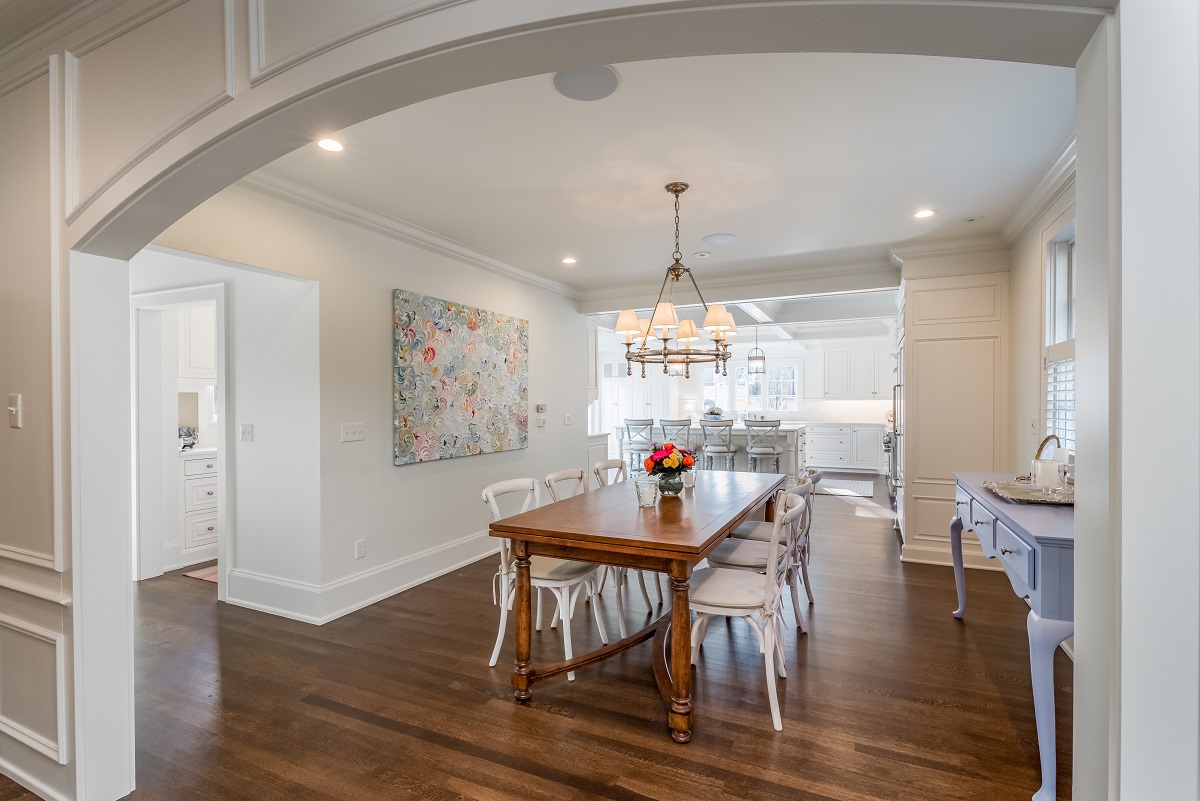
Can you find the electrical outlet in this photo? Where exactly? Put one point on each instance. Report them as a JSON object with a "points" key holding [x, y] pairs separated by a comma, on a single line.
{"points": [[246, 432], [360, 549], [566, 419], [352, 432]]}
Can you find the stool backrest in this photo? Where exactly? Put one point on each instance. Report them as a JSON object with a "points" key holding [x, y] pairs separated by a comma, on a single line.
{"points": [[677, 431], [639, 432], [762, 433], [717, 432]]}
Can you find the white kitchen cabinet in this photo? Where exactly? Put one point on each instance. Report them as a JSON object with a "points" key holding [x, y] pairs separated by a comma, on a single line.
{"points": [[837, 374], [885, 375], [593, 366], [844, 446], [866, 448], [197, 511], [198, 341], [862, 374]]}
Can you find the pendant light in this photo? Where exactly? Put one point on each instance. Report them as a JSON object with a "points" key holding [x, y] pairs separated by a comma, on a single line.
{"points": [[756, 360]]}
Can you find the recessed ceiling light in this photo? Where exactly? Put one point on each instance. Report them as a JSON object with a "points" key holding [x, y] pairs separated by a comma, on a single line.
{"points": [[719, 239], [568, 260], [923, 214], [703, 254], [332, 145], [588, 83]]}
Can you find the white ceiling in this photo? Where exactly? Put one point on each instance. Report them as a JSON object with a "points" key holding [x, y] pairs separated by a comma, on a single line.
{"points": [[807, 158]]}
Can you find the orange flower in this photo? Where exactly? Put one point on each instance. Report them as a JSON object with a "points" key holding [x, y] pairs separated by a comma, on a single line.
{"points": [[688, 461], [670, 446], [648, 464]]}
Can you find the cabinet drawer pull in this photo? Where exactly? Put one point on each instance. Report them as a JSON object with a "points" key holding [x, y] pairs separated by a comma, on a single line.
{"points": [[210, 492], [210, 528], [208, 465], [980, 522], [1006, 551]]}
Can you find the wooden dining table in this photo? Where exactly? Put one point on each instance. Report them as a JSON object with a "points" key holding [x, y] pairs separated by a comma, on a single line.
{"points": [[607, 526]]}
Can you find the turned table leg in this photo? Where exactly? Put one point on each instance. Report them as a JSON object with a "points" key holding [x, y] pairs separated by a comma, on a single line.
{"points": [[524, 623], [680, 715]]}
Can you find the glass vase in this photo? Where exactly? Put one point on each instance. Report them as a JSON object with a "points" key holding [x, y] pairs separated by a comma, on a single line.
{"points": [[670, 484]]}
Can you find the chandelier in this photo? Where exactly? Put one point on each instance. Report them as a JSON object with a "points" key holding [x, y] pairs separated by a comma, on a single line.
{"points": [[649, 341]]}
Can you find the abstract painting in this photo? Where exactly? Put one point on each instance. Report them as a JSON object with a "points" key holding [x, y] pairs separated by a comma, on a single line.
{"points": [[460, 380]]}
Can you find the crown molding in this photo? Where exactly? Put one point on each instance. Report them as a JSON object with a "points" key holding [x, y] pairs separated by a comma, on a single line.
{"points": [[898, 254], [338, 208], [1056, 178], [54, 29]]}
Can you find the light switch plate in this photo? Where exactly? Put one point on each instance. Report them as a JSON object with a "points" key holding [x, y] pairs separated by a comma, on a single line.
{"points": [[541, 421], [352, 432], [566, 419], [14, 411]]}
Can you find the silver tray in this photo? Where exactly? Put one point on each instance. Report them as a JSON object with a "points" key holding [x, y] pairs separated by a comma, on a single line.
{"points": [[1026, 492]]}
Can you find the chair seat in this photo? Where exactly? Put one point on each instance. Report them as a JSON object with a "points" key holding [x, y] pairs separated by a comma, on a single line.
{"points": [[744, 554], [720, 448], [764, 450], [728, 589], [751, 530], [640, 447], [547, 568]]}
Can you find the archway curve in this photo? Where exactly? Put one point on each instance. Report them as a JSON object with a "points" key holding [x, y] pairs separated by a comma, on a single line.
{"points": [[455, 49]]}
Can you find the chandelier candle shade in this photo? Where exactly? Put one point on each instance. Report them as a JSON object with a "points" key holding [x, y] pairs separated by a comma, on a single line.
{"points": [[680, 339]]}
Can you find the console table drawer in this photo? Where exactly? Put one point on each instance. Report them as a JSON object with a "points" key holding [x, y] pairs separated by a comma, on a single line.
{"points": [[984, 523], [1018, 558]]}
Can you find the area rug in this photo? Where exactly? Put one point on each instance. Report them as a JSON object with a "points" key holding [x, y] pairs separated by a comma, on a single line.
{"points": [[841, 486], [204, 574]]}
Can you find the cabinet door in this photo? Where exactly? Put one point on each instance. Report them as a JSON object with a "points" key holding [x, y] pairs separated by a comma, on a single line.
{"points": [[837, 374], [867, 446], [198, 341], [862, 374], [885, 375]]}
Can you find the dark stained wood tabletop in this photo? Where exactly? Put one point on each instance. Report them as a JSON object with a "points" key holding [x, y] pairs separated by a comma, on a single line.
{"points": [[687, 526]]}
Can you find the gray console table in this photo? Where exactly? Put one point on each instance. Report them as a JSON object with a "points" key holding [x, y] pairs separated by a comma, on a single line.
{"points": [[1036, 545]]}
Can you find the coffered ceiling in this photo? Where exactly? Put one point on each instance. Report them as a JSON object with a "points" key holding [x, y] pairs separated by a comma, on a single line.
{"points": [[807, 159]]}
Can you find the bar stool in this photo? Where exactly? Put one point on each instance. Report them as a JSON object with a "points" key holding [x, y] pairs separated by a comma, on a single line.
{"points": [[718, 441], [677, 431], [762, 442], [639, 434]]}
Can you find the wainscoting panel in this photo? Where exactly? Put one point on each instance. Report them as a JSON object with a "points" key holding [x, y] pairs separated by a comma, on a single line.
{"points": [[130, 90], [33, 686]]}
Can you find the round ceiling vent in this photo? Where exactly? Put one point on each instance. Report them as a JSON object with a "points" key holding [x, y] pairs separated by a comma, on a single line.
{"points": [[586, 83], [719, 239]]}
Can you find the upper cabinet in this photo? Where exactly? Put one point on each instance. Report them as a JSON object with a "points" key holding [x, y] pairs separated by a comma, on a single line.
{"points": [[858, 374], [198, 341], [837, 374]]}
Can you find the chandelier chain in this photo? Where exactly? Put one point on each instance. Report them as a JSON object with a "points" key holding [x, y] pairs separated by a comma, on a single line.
{"points": [[677, 255]]}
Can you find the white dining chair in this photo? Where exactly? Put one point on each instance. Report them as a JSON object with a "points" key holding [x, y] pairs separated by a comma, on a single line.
{"points": [[718, 441], [601, 470], [751, 596], [576, 483], [815, 476], [762, 442], [562, 577], [746, 549]]}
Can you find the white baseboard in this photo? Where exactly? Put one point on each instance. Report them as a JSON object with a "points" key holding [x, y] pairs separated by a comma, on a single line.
{"points": [[934, 555], [31, 784], [317, 604]]}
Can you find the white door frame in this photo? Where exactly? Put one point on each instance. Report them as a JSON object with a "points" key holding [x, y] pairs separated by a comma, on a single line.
{"points": [[164, 301]]}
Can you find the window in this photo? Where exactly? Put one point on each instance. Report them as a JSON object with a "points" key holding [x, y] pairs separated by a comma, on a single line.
{"points": [[1058, 355], [747, 391], [715, 390], [781, 389]]}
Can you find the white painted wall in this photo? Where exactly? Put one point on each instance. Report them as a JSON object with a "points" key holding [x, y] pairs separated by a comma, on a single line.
{"points": [[272, 344], [1160, 396], [418, 520]]}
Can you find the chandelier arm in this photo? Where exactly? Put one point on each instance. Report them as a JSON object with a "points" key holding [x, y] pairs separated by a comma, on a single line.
{"points": [[698, 292]]}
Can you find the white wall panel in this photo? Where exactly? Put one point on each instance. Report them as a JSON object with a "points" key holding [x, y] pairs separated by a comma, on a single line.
{"points": [[132, 89], [26, 467], [33, 685]]}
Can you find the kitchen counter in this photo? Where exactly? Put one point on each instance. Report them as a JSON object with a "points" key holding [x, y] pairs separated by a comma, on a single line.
{"points": [[198, 453]]}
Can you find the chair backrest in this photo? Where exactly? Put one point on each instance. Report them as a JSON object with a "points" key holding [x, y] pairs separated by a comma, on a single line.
{"points": [[789, 509], [717, 432], [570, 474], [639, 432], [762, 433], [601, 468], [815, 475], [677, 431], [492, 493]]}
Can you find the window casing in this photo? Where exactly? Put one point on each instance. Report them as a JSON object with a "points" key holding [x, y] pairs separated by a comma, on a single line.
{"points": [[1058, 354]]}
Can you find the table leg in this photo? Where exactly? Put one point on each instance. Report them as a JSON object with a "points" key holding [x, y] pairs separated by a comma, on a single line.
{"points": [[960, 580], [680, 715], [769, 515], [524, 622], [1044, 637]]}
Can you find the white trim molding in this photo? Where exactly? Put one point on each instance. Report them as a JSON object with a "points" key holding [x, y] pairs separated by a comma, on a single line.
{"points": [[958, 246], [1053, 182], [321, 603], [339, 208], [57, 749]]}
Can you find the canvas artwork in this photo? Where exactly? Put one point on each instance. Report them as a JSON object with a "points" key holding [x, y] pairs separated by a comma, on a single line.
{"points": [[460, 380]]}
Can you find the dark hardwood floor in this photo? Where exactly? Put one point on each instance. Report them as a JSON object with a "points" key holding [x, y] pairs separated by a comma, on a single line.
{"points": [[888, 697]]}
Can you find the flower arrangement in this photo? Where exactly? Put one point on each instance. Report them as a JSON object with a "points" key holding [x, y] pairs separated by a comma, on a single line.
{"points": [[669, 460]]}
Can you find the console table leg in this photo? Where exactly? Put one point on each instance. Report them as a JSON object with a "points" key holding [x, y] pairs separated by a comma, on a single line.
{"points": [[960, 580], [1044, 637]]}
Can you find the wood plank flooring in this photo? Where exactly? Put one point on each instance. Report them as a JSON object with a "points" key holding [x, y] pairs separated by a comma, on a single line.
{"points": [[888, 697]]}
